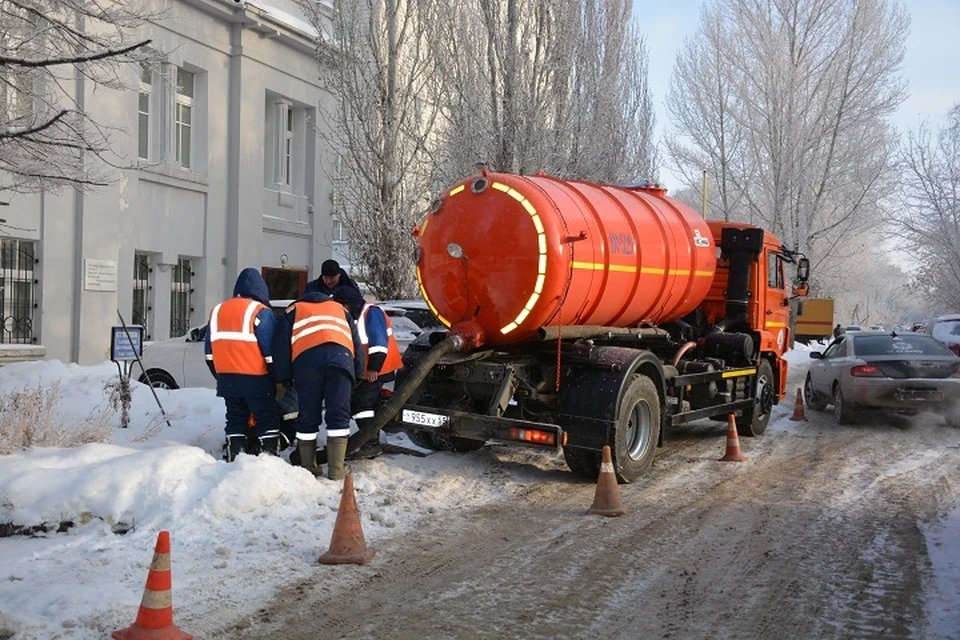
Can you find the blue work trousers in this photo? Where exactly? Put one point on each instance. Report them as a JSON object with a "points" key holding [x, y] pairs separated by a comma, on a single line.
{"points": [[264, 410], [324, 394]]}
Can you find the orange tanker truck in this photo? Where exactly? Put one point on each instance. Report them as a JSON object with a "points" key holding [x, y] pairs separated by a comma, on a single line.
{"points": [[581, 315]]}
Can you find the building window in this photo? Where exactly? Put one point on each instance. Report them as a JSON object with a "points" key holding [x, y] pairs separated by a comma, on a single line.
{"points": [[339, 235], [142, 285], [183, 119], [17, 291], [283, 163], [143, 122], [181, 286]]}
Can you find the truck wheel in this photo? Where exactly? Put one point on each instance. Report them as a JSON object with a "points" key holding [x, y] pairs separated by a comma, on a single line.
{"points": [[441, 442], [637, 430], [756, 418], [814, 401], [585, 464]]}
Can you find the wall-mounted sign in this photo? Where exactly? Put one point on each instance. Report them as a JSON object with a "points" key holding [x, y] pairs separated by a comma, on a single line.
{"points": [[126, 343], [99, 275]]}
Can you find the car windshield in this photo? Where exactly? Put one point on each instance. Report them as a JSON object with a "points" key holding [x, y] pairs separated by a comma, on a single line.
{"points": [[905, 345]]}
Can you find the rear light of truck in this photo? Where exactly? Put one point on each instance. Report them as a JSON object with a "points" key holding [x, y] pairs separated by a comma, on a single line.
{"points": [[534, 435], [865, 371]]}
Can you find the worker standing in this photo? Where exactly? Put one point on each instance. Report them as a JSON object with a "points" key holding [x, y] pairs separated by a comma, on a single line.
{"points": [[332, 277], [318, 346], [383, 360], [239, 352]]}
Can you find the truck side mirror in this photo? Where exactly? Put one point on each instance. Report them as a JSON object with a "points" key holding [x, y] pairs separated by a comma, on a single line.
{"points": [[803, 269]]}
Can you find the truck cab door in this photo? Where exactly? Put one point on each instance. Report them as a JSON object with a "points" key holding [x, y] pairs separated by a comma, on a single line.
{"points": [[776, 304]]}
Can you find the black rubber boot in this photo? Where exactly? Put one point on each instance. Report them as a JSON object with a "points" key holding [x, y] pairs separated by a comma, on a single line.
{"points": [[270, 445], [235, 446], [307, 451]]}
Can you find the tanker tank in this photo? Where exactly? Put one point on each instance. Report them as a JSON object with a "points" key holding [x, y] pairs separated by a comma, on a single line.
{"points": [[502, 255]]}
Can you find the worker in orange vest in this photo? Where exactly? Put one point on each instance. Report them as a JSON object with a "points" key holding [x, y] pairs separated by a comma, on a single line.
{"points": [[317, 346], [239, 352], [383, 361]]}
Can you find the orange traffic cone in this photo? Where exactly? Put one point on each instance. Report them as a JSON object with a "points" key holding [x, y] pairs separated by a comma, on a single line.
{"points": [[733, 453], [347, 545], [798, 407], [155, 618], [606, 500]]}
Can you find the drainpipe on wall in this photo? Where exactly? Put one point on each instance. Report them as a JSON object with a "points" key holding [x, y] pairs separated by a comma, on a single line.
{"points": [[79, 88], [231, 270]]}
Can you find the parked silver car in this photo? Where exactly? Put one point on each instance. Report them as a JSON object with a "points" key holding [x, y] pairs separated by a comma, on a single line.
{"points": [[905, 373], [179, 362], [946, 329]]}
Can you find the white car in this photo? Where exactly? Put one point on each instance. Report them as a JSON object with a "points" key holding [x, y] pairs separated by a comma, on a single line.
{"points": [[179, 362]]}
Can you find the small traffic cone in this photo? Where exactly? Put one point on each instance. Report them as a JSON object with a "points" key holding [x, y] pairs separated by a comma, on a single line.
{"points": [[347, 545], [733, 453], [606, 500], [798, 407], [155, 618]]}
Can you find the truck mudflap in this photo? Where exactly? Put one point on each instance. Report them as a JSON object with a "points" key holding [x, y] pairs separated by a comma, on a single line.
{"points": [[473, 426]]}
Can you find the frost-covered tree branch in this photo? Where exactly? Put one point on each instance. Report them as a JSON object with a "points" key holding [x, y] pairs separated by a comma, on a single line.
{"points": [[51, 52]]}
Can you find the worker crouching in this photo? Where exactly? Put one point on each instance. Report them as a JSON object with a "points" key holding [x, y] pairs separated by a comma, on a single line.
{"points": [[238, 350], [317, 346]]}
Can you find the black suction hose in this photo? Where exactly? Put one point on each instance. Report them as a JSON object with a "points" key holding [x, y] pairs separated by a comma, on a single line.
{"points": [[386, 413]]}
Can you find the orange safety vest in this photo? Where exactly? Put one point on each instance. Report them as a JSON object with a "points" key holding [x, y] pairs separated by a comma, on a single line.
{"points": [[394, 360], [316, 323], [233, 343]]}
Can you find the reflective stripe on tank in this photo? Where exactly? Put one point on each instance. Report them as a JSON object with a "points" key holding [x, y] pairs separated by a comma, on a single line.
{"points": [[626, 268], [541, 263]]}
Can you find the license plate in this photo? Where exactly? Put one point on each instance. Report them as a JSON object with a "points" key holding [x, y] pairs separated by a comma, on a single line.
{"points": [[425, 419], [919, 395]]}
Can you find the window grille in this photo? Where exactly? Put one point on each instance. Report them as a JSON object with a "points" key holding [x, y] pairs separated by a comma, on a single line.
{"points": [[181, 288], [141, 293], [18, 289]]}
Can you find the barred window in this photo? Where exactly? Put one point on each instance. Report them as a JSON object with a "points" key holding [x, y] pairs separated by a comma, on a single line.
{"points": [[17, 291], [142, 285], [181, 288]]}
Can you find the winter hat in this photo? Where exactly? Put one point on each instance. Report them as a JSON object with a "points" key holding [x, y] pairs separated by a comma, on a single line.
{"points": [[351, 298], [330, 268]]}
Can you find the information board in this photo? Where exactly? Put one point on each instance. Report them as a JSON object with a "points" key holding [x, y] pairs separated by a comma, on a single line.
{"points": [[126, 343]]}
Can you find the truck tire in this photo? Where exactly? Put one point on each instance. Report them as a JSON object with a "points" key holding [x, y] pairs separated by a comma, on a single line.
{"points": [[441, 442], [756, 418], [637, 430], [582, 463]]}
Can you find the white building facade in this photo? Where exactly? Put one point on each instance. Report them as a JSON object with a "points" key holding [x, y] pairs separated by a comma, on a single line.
{"points": [[224, 170]]}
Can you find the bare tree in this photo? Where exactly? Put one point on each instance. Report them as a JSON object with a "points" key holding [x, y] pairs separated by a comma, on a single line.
{"points": [[928, 223], [51, 52], [384, 88], [785, 103], [540, 85]]}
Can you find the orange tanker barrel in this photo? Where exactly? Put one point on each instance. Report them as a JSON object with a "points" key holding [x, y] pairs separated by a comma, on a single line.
{"points": [[503, 255]]}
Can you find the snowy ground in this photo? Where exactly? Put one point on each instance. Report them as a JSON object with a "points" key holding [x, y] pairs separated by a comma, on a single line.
{"points": [[240, 531]]}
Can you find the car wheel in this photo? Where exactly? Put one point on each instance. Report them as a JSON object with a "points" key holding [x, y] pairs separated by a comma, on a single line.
{"points": [[841, 410], [814, 401], [158, 379]]}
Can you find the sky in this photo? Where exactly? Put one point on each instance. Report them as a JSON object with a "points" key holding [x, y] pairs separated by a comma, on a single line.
{"points": [[930, 66], [257, 517]]}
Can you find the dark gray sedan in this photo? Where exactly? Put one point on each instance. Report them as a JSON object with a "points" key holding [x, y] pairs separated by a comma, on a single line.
{"points": [[905, 373]]}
